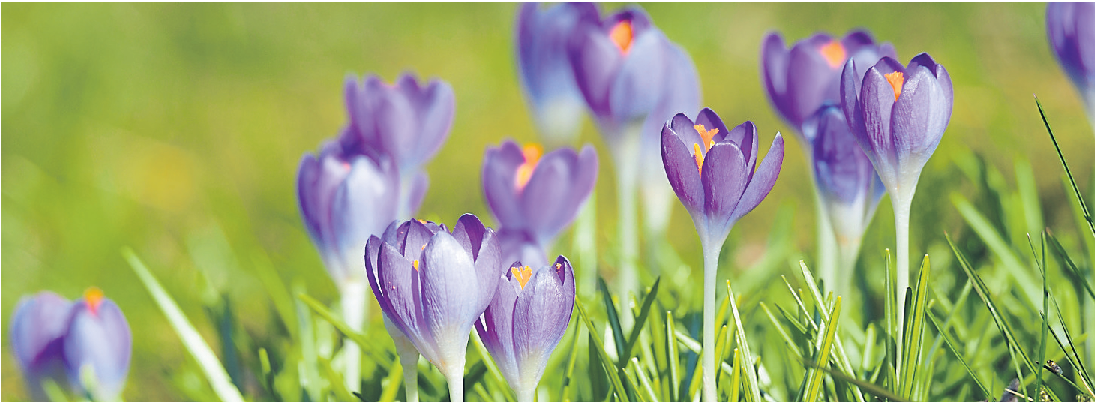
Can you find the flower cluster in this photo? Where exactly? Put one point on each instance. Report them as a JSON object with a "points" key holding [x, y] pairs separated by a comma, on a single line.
{"points": [[83, 345]]}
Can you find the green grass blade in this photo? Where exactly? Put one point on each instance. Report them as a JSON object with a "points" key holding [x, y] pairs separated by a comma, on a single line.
{"points": [[816, 379], [568, 373], [951, 345], [609, 367], [395, 380], [646, 392], [914, 331], [488, 361], [1076, 276], [783, 333], [207, 360], [743, 344], [1071, 180], [334, 380], [614, 323], [640, 321], [870, 388], [720, 350], [369, 348], [1045, 308], [735, 378], [1010, 262], [674, 357], [1072, 347]]}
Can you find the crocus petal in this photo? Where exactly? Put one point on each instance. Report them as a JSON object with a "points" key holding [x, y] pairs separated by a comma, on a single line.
{"points": [[98, 338], [595, 60], [544, 200], [495, 328], [919, 118], [681, 170], [849, 97], [499, 168], [763, 180], [396, 275], [774, 63], [418, 235], [435, 107], [639, 82], [449, 301], [37, 326], [724, 178], [745, 137], [541, 315], [361, 207], [876, 100]]}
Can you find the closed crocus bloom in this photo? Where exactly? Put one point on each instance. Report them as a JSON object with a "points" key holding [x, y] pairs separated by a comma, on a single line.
{"points": [[714, 171], [406, 121], [37, 331], [1071, 29], [344, 198], [546, 76], [97, 347], [898, 115], [526, 320], [849, 187], [800, 79], [432, 285], [539, 195]]}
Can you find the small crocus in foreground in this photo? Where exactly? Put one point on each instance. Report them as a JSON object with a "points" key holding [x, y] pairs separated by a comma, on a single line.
{"points": [[406, 122], [542, 36], [1071, 30], [537, 193], [85, 345], [526, 320], [898, 115], [712, 171], [849, 187], [432, 285]]}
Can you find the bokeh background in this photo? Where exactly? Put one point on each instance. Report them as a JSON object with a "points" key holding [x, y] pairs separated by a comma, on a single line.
{"points": [[177, 129]]}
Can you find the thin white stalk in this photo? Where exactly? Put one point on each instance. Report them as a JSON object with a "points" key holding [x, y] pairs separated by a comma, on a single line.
{"points": [[626, 156], [827, 249], [409, 361], [849, 254], [353, 313], [403, 204], [526, 394], [902, 207], [710, 272], [456, 383]]}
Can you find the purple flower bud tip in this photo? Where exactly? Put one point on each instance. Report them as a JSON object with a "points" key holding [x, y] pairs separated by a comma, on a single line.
{"points": [[538, 195], [60, 340], [1071, 30], [526, 320], [405, 121], [714, 171], [432, 284], [898, 115], [800, 79], [849, 186]]}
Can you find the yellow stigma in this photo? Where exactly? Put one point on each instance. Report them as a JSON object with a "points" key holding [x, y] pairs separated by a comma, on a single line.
{"points": [[708, 138], [622, 35], [522, 274], [834, 53], [94, 298], [896, 79], [532, 154], [415, 264]]}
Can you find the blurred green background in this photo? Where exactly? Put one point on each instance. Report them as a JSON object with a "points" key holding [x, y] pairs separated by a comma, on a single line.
{"points": [[177, 129]]}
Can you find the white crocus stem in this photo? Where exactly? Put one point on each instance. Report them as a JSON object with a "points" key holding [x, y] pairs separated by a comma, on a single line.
{"points": [[902, 207], [403, 204], [353, 311], [526, 393], [849, 253], [827, 249], [408, 358], [626, 156], [710, 272], [455, 377]]}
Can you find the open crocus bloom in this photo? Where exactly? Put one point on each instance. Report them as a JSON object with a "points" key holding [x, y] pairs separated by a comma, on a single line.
{"points": [[898, 115], [712, 170], [526, 320], [432, 285], [537, 195]]}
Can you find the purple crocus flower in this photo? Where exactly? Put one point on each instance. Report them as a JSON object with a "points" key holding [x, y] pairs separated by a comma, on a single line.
{"points": [[344, 198], [542, 61], [800, 79], [406, 121], [898, 115], [712, 170], [98, 340], [37, 339], [1071, 30], [432, 285], [849, 187], [534, 194], [526, 320], [518, 245]]}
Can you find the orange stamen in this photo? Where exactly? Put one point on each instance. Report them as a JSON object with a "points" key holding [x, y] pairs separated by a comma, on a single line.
{"points": [[896, 79], [532, 154], [621, 35], [708, 138], [415, 264], [699, 156], [523, 274], [94, 298], [834, 53]]}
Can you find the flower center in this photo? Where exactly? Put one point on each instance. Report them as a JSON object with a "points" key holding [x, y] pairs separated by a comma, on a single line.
{"points": [[834, 53], [708, 137], [522, 274], [896, 79], [622, 35], [532, 154], [94, 298]]}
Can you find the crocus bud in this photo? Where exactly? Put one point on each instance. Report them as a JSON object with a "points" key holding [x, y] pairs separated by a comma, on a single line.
{"points": [[37, 339], [97, 347], [1071, 29], [344, 198], [800, 79], [539, 195], [432, 285], [898, 115], [714, 171], [526, 320], [542, 36], [406, 121]]}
